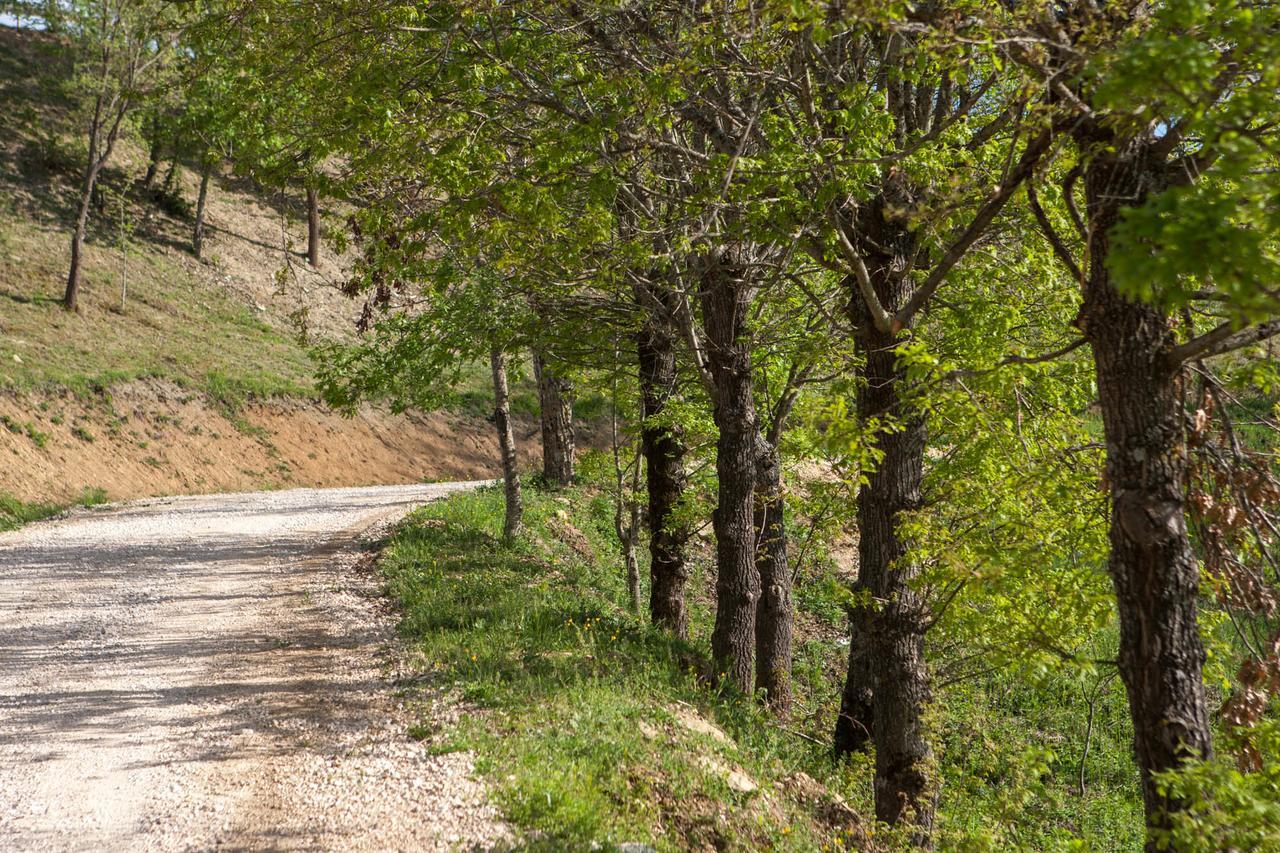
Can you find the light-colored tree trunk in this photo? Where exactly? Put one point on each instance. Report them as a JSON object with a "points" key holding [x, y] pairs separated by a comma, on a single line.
{"points": [[197, 235], [514, 519], [313, 227]]}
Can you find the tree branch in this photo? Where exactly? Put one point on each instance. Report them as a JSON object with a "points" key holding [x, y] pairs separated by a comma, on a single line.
{"points": [[1221, 340]]}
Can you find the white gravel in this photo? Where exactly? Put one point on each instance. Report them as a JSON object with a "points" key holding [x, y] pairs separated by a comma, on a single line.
{"points": [[216, 672]]}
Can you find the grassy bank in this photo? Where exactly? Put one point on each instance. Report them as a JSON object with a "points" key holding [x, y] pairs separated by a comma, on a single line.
{"points": [[593, 729], [15, 513]]}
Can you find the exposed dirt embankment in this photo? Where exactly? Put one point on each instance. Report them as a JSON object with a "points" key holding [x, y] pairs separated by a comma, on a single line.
{"points": [[146, 439]]}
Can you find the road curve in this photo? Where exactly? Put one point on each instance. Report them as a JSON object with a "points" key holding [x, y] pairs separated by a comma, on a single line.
{"points": [[215, 672]]}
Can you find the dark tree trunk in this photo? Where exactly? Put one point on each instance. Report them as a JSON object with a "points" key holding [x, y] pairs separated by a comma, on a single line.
{"points": [[197, 234], [893, 627], [71, 296], [514, 518], [773, 616], [1152, 565], [555, 397], [887, 673], [664, 452], [153, 156], [171, 176], [313, 227], [725, 299], [857, 708]]}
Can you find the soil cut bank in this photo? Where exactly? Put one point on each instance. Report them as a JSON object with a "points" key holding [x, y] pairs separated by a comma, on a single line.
{"points": [[153, 438]]}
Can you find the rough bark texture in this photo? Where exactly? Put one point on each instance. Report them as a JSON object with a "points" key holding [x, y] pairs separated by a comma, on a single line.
{"points": [[773, 615], [555, 396], [894, 626], [725, 301], [197, 234], [664, 452], [1152, 565], [887, 630], [313, 227], [514, 518]]}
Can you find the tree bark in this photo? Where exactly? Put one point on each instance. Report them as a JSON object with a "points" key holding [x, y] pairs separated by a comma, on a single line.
{"points": [[664, 451], [71, 296], [1152, 565], [555, 397], [514, 519], [773, 615], [197, 234], [725, 299], [313, 227], [887, 688], [893, 626]]}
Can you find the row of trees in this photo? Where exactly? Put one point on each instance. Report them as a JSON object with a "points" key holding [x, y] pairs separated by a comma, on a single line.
{"points": [[917, 218], [1001, 268]]}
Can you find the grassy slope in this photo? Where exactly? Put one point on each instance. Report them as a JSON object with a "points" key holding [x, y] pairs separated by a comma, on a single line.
{"points": [[15, 513], [179, 320], [580, 741]]}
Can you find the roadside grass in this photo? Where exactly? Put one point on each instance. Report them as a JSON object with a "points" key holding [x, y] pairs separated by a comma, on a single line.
{"points": [[170, 326], [580, 704], [15, 513], [575, 707]]}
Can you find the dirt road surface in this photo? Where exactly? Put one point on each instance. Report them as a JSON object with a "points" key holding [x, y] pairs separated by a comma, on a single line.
{"points": [[216, 672]]}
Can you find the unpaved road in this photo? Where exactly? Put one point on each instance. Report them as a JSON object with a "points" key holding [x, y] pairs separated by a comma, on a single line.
{"points": [[216, 673]]}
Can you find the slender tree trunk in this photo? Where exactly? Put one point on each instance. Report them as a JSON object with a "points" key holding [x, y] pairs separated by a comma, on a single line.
{"points": [[171, 176], [514, 520], [197, 234], [313, 227], [71, 296], [1152, 565], [725, 300], [664, 451], [153, 155], [889, 624], [555, 397], [633, 572], [773, 615]]}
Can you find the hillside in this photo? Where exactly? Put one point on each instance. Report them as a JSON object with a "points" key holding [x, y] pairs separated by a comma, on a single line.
{"points": [[176, 375]]}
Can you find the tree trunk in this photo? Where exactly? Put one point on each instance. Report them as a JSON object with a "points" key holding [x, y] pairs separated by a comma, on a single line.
{"points": [[773, 615], [197, 234], [889, 623], [555, 397], [664, 451], [725, 300], [313, 227], [1152, 565], [171, 176], [514, 518], [153, 155], [633, 574], [71, 296]]}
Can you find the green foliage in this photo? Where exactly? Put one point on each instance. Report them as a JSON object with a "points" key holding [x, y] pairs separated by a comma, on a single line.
{"points": [[569, 683], [1228, 809], [15, 513]]}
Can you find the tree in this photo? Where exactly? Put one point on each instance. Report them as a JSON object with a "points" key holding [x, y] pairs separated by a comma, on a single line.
{"points": [[555, 396], [1203, 74], [123, 45]]}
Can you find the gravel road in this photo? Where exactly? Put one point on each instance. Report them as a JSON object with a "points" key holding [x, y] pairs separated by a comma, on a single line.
{"points": [[217, 672]]}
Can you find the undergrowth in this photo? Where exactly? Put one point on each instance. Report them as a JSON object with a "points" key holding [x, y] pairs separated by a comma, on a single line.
{"points": [[582, 710]]}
